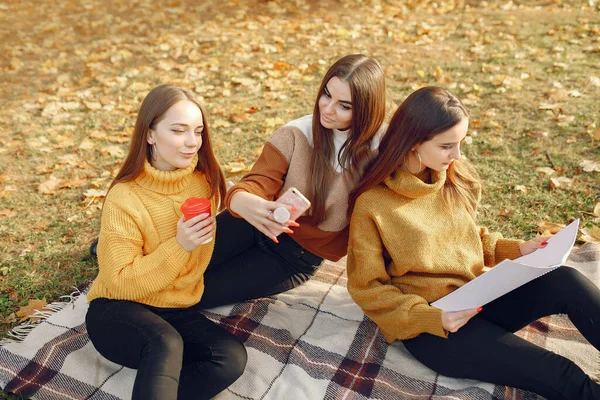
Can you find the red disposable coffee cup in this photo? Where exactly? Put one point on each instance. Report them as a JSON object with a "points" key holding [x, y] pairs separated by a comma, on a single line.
{"points": [[195, 206]]}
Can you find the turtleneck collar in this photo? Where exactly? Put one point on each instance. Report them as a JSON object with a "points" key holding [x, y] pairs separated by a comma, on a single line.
{"points": [[339, 138], [415, 186], [340, 135], [166, 182]]}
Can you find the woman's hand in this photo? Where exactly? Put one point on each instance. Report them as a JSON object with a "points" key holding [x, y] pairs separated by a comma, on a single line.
{"points": [[532, 245], [195, 231], [259, 213], [453, 321]]}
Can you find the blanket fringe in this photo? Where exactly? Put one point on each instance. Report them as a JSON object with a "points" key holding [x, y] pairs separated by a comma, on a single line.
{"points": [[20, 332]]}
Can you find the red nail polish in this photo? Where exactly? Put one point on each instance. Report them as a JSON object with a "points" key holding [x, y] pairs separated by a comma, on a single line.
{"points": [[275, 239], [479, 309], [544, 243]]}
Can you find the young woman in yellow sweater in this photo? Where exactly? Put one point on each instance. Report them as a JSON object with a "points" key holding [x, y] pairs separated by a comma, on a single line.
{"points": [[414, 239], [152, 262]]}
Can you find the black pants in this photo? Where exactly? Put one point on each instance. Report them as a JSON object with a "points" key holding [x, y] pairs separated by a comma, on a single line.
{"points": [[247, 265], [487, 349], [179, 353]]}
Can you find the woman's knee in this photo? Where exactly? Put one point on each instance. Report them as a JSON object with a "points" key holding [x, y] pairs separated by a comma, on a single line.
{"points": [[570, 281], [165, 341], [235, 359]]}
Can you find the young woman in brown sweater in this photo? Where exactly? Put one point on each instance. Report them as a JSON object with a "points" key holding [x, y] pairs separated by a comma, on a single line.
{"points": [[323, 155], [414, 239]]}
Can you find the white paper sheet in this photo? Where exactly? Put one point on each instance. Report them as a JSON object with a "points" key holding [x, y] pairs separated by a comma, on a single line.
{"points": [[509, 275]]}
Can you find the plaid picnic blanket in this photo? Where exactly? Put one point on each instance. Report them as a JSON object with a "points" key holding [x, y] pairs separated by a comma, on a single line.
{"points": [[310, 343]]}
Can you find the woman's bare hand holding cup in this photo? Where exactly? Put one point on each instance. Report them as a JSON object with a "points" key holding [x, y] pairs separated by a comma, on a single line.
{"points": [[195, 231]]}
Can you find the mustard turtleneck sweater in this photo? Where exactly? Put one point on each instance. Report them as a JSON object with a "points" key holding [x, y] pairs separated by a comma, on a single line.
{"points": [[408, 248], [139, 258]]}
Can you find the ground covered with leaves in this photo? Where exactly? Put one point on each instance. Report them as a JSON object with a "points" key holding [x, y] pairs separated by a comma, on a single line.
{"points": [[74, 74]]}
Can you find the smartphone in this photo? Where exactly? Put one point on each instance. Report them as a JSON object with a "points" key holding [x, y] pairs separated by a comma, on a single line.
{"points": [[292, 197]]}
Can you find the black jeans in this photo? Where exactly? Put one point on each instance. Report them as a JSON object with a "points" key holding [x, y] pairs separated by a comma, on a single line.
{"points": [[179, 353], [247, 264], [487, 349]]}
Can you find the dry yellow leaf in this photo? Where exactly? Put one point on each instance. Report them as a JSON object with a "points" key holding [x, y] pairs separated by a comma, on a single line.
{"points": [[72, 183], [575, 93], [118, 139], [71, 160], [12, 318], [498, 80], [590, 166], [26, 313], [239, 117], [547, 106], [5, 192], [15, 64], [49, 186], [545, 170], [95, 193], [551, 228], [593, 81], [591, 234], [236, 80], [281, 66], [98, 135], [93, 105], [565, 120], [235, 168], [562, 182], [42, 169], [86, 144], [273, 122], [521, 188], [597, 210], [537, 134], [115, 151], [5, 213]]}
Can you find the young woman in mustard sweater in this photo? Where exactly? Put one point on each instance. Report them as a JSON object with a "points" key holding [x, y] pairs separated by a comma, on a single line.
{"points": [[152, 262], [414, 239]]}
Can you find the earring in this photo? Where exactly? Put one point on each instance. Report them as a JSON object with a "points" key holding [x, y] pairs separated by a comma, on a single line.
{"points": [[420, 164]]}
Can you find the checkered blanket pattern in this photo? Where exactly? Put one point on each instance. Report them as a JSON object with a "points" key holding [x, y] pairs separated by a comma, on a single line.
{"points": [[309, 343]]}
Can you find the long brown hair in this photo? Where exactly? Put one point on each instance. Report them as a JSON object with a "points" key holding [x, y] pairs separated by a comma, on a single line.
{"points": [[153, 109], [367, 88], [424, 114]]}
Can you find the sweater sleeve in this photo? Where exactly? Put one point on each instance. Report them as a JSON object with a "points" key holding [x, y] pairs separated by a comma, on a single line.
{"points": [[496, 248], [399, 315], [123, 267], [266, 177]]}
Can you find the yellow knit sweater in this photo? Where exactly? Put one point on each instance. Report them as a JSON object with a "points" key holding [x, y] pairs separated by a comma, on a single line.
{"points": [[408, 248], [139, 258]]}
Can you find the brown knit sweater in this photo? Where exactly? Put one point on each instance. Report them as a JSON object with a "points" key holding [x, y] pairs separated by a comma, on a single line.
{"points": [[285, 163], [407, 248]]}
